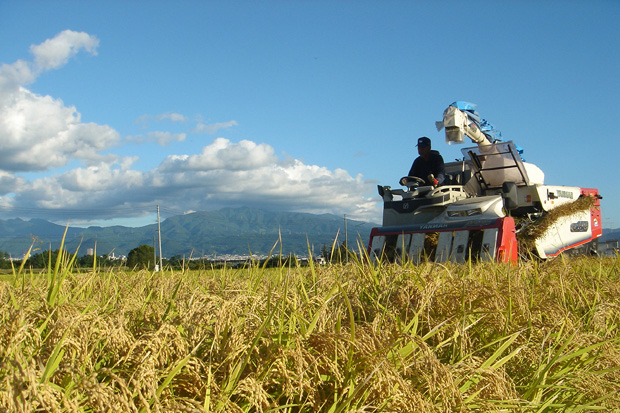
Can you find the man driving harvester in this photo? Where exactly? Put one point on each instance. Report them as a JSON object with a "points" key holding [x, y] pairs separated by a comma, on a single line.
{"points": [[428, 166]]}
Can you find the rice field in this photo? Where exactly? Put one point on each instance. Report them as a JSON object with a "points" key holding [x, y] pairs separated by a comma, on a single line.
{"points": [[537, 337]]}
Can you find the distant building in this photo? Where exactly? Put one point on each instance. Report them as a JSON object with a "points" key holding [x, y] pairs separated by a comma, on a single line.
{"points": [[608, 248], [90, 252], [117, 257]]}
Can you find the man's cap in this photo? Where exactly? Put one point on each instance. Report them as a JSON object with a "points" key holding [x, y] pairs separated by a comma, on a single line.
{"points": [[424, 141]]}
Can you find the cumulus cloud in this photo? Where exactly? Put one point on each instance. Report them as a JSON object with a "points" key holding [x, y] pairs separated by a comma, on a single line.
{"points": [[103, 177], [9, 183], [56, 52], [222, 154], [51, 54], [11, 78], [227, 173], [40, 133], [246, 174]]}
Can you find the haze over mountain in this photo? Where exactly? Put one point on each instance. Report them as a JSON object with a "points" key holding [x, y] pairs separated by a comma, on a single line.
{"points": [[225, 231]]}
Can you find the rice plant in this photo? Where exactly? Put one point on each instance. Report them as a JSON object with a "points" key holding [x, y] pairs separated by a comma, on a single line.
{"points": [[352, 337]]}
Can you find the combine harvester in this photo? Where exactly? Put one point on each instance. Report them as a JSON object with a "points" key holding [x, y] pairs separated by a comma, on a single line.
{"points": [[493, 206]]}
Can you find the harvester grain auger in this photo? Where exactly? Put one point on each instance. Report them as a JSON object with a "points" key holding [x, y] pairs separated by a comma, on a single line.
{"points": [[493, 206]]}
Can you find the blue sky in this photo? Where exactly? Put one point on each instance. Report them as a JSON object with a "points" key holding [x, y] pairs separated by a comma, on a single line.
{"points": [[111, 108]]}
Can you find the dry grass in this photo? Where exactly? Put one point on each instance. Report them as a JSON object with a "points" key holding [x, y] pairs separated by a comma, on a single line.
{"points": [[351, 338]]}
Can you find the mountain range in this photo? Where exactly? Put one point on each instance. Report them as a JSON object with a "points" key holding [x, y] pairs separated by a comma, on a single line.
{"points": [[234, 231], [238, 231], [609, 234]]}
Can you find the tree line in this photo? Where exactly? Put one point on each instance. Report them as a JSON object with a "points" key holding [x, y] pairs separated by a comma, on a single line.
{"points": [[141, 257], [44, 258], [144, 257]]}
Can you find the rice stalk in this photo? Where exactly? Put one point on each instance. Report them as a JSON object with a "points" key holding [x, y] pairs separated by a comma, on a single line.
{"points": [[535, 230], [353, 337], [56, 276]]}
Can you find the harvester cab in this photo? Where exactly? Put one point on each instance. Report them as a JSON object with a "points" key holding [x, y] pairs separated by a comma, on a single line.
{"points": [[492, 207]]}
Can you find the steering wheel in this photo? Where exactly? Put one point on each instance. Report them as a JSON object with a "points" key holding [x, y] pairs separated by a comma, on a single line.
{"points": [[415, 179]]}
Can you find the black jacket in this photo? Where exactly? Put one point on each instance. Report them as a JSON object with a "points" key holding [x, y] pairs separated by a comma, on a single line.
{"points": [[423, 169]]}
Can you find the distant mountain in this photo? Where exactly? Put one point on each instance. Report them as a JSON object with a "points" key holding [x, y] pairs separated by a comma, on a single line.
{"points": [[226, 231], [17, 235], [609, 234]]}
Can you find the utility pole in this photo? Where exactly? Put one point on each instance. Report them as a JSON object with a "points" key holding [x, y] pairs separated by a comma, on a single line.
{"points": [[159, 236], [155, 255], [346, 238]]}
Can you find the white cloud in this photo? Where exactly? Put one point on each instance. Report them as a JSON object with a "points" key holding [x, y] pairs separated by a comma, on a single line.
{"points": [[11, 78], [40, 133], [162, 138], [145, 120], [56, 52], [203, 182], [51, 54], [103, 177], [37, 132], [10, 183], [225, 155], [172, 117], [211, 129], [247, 173]]}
